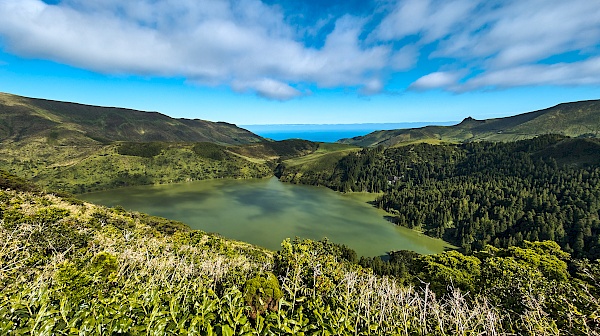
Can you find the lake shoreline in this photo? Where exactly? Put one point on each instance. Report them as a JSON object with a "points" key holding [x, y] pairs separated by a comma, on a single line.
{"points": [[265, 211]]}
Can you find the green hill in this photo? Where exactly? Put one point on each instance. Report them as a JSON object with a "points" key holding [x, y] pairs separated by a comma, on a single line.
{"points": [[61, 123], [80, 148], [577, 119]]}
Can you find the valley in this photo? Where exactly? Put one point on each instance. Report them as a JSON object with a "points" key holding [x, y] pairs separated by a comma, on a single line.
{"points": [[523, 214], [420, 182], [322, 168]]}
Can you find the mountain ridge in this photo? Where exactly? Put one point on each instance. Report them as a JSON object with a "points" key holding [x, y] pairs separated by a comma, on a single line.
{"points": [[574, 119], [68, 123]]}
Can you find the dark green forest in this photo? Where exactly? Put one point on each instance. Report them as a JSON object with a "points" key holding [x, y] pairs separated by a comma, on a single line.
{"points": [[474, 194]]}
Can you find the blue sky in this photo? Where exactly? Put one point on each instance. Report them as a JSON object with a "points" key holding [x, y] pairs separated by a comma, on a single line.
{"points": [[289, 61]]}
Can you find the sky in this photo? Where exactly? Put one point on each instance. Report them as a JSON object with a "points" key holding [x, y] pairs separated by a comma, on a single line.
{"points": [[304, 62]]}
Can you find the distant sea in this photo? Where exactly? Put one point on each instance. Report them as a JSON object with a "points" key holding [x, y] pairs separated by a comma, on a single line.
{"points": [[330, 132]]}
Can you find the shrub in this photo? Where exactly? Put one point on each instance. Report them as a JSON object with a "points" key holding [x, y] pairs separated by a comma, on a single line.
{"points": [[210, 151], [141, 149], [104, 264], [262, 294], [9, 181]]}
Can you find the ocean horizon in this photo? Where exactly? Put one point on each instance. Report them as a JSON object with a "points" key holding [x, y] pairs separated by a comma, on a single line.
{"points": [[330, 132]]}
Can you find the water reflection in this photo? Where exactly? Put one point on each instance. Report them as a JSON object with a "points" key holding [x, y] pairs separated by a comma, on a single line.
{"points": [[266, 211]]}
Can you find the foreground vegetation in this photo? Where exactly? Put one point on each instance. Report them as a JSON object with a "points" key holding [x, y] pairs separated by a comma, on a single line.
{"points": [[69, 267]]}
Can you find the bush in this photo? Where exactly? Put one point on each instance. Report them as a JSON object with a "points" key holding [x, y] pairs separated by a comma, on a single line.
{"points": [[9, 181], [141, 149], [262, 294], [209, 151]]}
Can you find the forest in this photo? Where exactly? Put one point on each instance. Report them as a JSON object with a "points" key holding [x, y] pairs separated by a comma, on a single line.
{"points": [[481, 193]]}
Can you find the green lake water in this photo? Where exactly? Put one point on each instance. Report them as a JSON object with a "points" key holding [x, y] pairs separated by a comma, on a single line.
{"points": [[266, 211]]}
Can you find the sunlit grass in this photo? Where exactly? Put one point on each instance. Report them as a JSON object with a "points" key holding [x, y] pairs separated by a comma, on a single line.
{"points": [[73, 267]]}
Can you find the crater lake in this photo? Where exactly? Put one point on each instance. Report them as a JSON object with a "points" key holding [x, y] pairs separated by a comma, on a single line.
{"points": [[266, 211]]}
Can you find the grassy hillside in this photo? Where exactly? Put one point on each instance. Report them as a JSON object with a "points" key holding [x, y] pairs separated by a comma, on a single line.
{"points": [[80, 148], [577, 119], [62, 123], [276, 150], [312, 168], [78, 169], [69, 267]]}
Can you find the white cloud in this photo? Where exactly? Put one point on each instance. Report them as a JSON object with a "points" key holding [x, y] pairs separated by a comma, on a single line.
{"points": [[578, 73], [436, 80], [373, 87], [429, 19], [405, 58], [210, 42], [268, 88], [492, 38], [251, 46], [518, 32]]}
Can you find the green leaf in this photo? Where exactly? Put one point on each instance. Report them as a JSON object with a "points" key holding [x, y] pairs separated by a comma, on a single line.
{"points": [[226, 330]]}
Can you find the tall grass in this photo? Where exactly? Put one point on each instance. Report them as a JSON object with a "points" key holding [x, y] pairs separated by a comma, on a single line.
{"points": [[138, 280]]}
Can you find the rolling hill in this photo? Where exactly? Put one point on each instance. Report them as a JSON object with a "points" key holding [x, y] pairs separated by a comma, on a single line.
{"points": [[576, 119], [62, 123]]}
